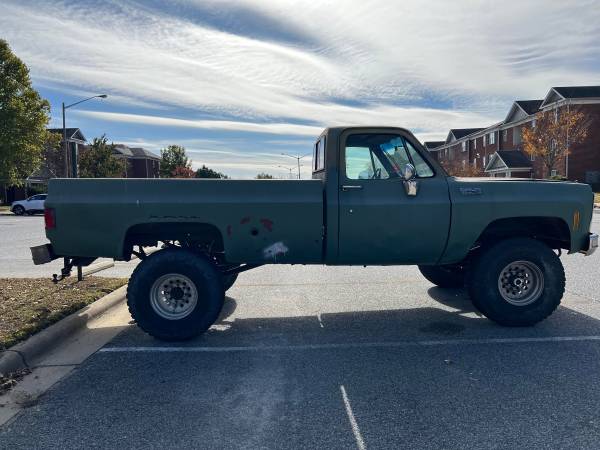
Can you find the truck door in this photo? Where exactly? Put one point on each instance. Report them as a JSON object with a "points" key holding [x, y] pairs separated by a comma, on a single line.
{"points": [[379, 223]]}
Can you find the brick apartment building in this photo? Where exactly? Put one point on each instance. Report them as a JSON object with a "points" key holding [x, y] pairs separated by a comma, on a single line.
{"points": [[497, 150]]}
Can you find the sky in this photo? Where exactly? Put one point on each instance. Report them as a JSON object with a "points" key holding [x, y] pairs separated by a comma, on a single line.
{"points": [[238, 82]]}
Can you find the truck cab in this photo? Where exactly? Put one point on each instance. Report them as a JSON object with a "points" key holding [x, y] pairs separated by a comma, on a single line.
{"points": [[373, 205]]}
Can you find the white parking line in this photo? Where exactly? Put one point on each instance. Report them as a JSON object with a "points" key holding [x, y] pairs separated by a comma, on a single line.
{"points": [[429, 343], [360, 443]]}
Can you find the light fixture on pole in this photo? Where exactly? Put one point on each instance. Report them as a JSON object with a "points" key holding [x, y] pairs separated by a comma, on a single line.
{"points": [[297, 158], [65, 144]]}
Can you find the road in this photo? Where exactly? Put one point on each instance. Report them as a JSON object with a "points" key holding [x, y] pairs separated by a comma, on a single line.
{"points": [[18, 233], [335, 357]]}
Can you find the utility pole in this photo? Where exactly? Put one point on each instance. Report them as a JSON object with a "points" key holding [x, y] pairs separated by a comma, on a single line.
{"points": [[297, 158], [65, 143]]}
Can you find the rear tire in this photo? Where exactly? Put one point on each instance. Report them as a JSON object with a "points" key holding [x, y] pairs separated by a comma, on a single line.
{"points": [[18, 210], [517, 282], [175, 294], [449, 276]]}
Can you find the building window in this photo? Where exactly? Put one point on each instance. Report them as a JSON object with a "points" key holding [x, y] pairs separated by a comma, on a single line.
{"points": [[553, 172], [484, 139], [517, 136], [464, 146], [475, 143], [492, 138], [533, 123], [504, 135], [483, 162]]}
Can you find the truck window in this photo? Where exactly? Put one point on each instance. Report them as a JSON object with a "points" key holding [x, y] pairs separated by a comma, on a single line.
{"points": [[319, 155], [380, 156], [363, 164]]}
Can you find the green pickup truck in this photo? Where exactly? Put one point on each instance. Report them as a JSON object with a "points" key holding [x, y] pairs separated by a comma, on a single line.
{"points": [[376, 197]]}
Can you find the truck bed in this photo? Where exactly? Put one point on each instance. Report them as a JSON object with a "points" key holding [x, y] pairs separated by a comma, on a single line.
{"points": [[258, 220]]}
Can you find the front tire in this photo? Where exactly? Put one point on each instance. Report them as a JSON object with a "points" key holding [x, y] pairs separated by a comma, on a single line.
{"points": [[18, 210], [175, 294], [449, 276], [517, 282]]}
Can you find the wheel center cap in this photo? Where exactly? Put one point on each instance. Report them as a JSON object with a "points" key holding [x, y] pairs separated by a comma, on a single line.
{"points": [[176, 293], [518, 282]]}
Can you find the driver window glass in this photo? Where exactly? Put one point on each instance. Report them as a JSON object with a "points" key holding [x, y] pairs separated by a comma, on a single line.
{"points": [[423, 169], [362, 164]]}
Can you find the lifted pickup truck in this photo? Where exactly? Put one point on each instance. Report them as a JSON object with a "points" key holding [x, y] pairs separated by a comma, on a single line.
{"points": [[376, 198]]}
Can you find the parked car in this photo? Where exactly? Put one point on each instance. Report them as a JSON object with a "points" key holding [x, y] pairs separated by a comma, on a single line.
{"points": [[32, 205], [376, 198]]}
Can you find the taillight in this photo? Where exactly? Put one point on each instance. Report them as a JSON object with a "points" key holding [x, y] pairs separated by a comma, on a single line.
{"points": [[49, 218]]}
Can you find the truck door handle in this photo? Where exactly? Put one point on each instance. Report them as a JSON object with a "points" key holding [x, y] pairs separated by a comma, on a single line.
{"points": [[351, 187]]}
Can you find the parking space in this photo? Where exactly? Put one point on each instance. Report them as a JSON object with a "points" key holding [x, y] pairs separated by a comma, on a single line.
{"points": [[311, 357]]}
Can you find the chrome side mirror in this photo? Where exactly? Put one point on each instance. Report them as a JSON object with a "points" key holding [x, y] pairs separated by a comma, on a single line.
{"points": [[411, 186], [409, 172]]}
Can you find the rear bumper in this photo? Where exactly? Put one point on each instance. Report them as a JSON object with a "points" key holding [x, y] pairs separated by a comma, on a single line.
{"points": [[42, 254], [592, 244]]}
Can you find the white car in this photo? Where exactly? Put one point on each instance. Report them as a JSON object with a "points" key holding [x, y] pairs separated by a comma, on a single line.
{"points": [[30, 206]]}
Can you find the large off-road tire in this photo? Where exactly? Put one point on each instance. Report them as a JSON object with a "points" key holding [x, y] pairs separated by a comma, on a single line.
{"points": [[18, 210], [229, 280], [450, 276], [517, 282], [175, 294]]}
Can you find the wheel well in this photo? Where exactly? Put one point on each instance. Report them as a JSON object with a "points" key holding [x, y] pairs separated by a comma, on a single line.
{"points": [[198, 235], [553, 231]]}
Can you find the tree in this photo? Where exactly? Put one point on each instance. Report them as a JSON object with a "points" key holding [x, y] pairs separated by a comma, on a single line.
{"points": [[264, 176], [23, 119], [459, 170], [183, 172], [99, 161], [205, 172], [554, 132], [172, 157], [53, 155]]}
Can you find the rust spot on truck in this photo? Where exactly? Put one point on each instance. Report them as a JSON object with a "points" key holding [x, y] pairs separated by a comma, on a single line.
{"points": [[267, 223], [245, 220]]}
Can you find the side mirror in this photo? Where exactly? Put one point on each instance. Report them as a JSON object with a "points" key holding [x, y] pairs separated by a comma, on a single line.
{"points": [[409, 172], [410, 183]]}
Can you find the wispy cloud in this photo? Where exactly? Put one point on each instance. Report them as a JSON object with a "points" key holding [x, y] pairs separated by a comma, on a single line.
{"points": [[291, 68]]}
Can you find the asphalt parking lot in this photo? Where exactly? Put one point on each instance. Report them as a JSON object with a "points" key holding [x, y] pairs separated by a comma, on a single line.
{"points": [[313, 357]]}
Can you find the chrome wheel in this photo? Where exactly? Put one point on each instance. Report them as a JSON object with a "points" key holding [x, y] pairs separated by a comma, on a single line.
{"points": [[521, 283], [173, 296]]}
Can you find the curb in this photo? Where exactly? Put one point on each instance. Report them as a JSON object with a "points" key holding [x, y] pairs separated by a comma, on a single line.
{"points": [[22, 355]]}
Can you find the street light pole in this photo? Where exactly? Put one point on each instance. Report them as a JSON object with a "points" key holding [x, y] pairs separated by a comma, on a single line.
{"points": [[65, 143], [65, 146], [297, 158], [287, 168]]}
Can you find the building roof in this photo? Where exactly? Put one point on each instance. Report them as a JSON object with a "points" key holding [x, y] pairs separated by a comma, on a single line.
{"points": [[73, 134], [140, 152], [529, 106], [462, 132], [578, 91], [135, 152], [430, 145]]}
